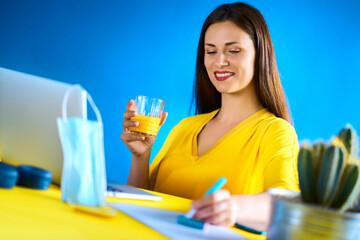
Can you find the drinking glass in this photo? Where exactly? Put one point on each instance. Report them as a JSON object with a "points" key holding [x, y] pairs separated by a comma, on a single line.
{"points": [[149, 116]]}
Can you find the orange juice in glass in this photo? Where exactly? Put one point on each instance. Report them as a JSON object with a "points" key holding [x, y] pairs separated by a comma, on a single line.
{"points": [[149, 116]]}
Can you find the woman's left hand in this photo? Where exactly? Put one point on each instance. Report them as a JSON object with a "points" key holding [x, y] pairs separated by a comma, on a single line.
{"points": [[219, 208]]}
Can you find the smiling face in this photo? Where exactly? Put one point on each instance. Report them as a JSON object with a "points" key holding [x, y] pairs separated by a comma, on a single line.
{"points": [[229, 57]]}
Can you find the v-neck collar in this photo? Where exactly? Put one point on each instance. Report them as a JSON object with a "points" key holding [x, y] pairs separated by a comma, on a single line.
{"points": [[223, 138]]}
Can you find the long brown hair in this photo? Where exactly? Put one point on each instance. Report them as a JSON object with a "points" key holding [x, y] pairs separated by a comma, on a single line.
{"points": [[266, 76]]}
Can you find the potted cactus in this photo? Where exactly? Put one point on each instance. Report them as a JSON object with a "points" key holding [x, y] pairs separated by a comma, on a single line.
{"points": [[329, 177]]}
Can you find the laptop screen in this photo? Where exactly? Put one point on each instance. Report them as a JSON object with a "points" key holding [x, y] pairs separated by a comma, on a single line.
{"points": [[29, 107]]}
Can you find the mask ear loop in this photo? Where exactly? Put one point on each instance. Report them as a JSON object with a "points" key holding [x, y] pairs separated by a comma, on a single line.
{"points": [[66, 99], [101, 164], [89, 98], [97, 112]]}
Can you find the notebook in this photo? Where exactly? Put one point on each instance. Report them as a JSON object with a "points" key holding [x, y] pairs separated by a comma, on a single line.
{"points": [[164, 222]]}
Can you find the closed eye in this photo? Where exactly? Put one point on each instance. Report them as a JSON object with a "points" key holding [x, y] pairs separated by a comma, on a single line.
{"points": [[211, 52], [234, 51]]}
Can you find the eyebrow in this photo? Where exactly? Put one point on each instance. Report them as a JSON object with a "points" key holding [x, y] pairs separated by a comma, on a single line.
{"points": [[226, 44]]}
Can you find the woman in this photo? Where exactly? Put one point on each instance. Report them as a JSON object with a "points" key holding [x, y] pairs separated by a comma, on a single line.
{"points": [[241, 132]]}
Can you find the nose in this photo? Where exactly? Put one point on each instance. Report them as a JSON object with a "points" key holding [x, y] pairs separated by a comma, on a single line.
{"points": [[221, 60]]}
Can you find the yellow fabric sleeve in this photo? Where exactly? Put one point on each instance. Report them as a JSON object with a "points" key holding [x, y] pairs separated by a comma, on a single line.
{"points": [[280, 149]]}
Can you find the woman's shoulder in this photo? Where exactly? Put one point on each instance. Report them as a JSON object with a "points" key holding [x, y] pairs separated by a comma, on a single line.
{"points": [[275, 125], [197, 118], [276, 133]]}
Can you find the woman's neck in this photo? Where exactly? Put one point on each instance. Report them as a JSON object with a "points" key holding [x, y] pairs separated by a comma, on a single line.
{"points": [[236, 107]]}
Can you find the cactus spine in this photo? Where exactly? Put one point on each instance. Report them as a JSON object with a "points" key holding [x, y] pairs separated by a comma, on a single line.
{"points": [[330, 175]]}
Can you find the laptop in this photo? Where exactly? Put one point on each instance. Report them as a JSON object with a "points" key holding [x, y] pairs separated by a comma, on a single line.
{"points": [[118, 190], [29, 107]]}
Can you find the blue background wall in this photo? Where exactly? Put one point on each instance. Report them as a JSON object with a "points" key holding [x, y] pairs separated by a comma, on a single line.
{"points": [[118, 49]]}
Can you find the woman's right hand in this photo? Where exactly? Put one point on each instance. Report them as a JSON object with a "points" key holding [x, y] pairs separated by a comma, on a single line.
{"points": [[138, 145]]}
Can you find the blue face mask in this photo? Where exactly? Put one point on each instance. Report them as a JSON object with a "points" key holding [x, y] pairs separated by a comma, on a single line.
{"points": [[83, 178]]}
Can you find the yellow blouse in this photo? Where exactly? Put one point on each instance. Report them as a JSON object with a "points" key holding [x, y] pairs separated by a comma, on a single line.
{"points": [[257, 154]]}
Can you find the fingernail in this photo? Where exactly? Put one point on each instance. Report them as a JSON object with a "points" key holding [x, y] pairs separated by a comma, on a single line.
{"points": [[136, 123]]}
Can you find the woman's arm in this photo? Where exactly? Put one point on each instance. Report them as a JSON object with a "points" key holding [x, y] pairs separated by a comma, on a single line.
{"points": [[254, 209], [221, 208], [139, 171], [140, 148]]}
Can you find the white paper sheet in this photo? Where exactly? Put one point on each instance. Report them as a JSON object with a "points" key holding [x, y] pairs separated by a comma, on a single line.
{"points": [[164, 222]]}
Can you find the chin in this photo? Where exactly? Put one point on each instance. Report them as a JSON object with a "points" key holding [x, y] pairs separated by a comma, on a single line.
{"points": [[222, 91], [226, 89], [221, 88]]}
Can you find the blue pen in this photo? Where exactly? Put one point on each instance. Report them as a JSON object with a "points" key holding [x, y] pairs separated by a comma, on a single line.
{"points": [[217, 186], [248, 229], [187, 218]]}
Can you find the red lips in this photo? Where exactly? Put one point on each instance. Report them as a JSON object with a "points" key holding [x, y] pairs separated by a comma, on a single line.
{"points": [[223, 75]]}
